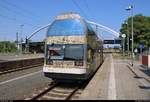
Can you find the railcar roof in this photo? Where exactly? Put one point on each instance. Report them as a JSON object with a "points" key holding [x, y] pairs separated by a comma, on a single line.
{"points": [[69, 24], [70, 15]]}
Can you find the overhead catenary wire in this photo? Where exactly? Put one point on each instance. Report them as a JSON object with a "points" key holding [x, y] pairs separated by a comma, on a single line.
{"points": [[88, 8], [14, 19], [11, 8], [86, 4], [24, 11], [6, 17], [15, 12], [76, 4]]}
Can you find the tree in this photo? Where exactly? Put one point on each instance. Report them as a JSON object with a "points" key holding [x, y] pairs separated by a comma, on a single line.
{"points": [[141, 29], [7, 46]]}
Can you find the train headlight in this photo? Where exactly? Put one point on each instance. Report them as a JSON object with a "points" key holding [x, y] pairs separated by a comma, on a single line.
{"points": [[78, 63]]}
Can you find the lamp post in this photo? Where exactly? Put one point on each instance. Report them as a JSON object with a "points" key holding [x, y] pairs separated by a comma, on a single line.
{"points": [[123, 36], [21, 28], [17, 43], [130, 8], [128, 45], [26, 45]]}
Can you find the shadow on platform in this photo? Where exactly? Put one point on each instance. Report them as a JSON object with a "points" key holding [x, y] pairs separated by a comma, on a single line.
{"points": [[144, 87], [146, 70]]}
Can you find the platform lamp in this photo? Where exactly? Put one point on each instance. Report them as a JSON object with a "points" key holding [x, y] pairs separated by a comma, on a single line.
{"points": [[123, 36], [128, 44], [21, 40], [130, 8]]}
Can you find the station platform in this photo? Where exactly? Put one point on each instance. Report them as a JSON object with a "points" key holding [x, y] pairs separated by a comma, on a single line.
{"points": [[10, 57], [97, 87], [11, 62], [116, 79]]}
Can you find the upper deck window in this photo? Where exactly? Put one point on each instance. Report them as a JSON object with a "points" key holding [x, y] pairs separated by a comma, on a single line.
{"points": [[66, 27], [90, 29]]}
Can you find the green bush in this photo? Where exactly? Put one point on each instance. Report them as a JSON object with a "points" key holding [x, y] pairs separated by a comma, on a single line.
{"points": [[7, 47]]}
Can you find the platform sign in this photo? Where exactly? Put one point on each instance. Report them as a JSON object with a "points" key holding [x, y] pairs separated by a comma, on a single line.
{"points": [[123, 35], [116, 41], [108, 41], [141, 46]]}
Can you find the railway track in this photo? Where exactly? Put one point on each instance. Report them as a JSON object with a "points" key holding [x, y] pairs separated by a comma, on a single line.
{"points": [[61, 91], [58, 91]]}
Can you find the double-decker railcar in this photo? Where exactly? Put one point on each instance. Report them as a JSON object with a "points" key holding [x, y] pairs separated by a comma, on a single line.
{"points": [[72, 49]]}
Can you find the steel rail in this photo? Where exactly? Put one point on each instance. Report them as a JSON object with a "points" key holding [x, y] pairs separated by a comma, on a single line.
{"points": [[72, 93], [53, 85]]}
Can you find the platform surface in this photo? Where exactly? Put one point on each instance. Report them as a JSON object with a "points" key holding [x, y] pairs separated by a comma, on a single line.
{"points": [[115, 81], [9, 57]]}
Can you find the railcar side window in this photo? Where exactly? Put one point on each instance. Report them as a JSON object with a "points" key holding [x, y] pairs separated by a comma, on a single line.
{"points": [[90, 55]]}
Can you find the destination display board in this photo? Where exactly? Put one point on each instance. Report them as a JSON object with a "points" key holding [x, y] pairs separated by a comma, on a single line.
{"points": [[112, 41], [66, 40]]}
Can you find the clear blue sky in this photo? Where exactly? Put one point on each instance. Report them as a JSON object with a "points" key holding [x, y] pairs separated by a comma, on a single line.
{"points": [[35, 13]]}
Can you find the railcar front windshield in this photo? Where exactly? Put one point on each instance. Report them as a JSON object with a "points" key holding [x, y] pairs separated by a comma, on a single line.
{"points": [[65, 52], [66, 27]]}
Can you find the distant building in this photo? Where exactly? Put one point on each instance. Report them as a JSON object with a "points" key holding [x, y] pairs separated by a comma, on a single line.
{"points": [[34, 47]]}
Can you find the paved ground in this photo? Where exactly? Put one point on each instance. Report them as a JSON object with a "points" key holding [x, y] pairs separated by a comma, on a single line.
{"points": [[97, 88], [115, 81], [143, 69], [6, 57], [17, 85], [127, 85]]}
